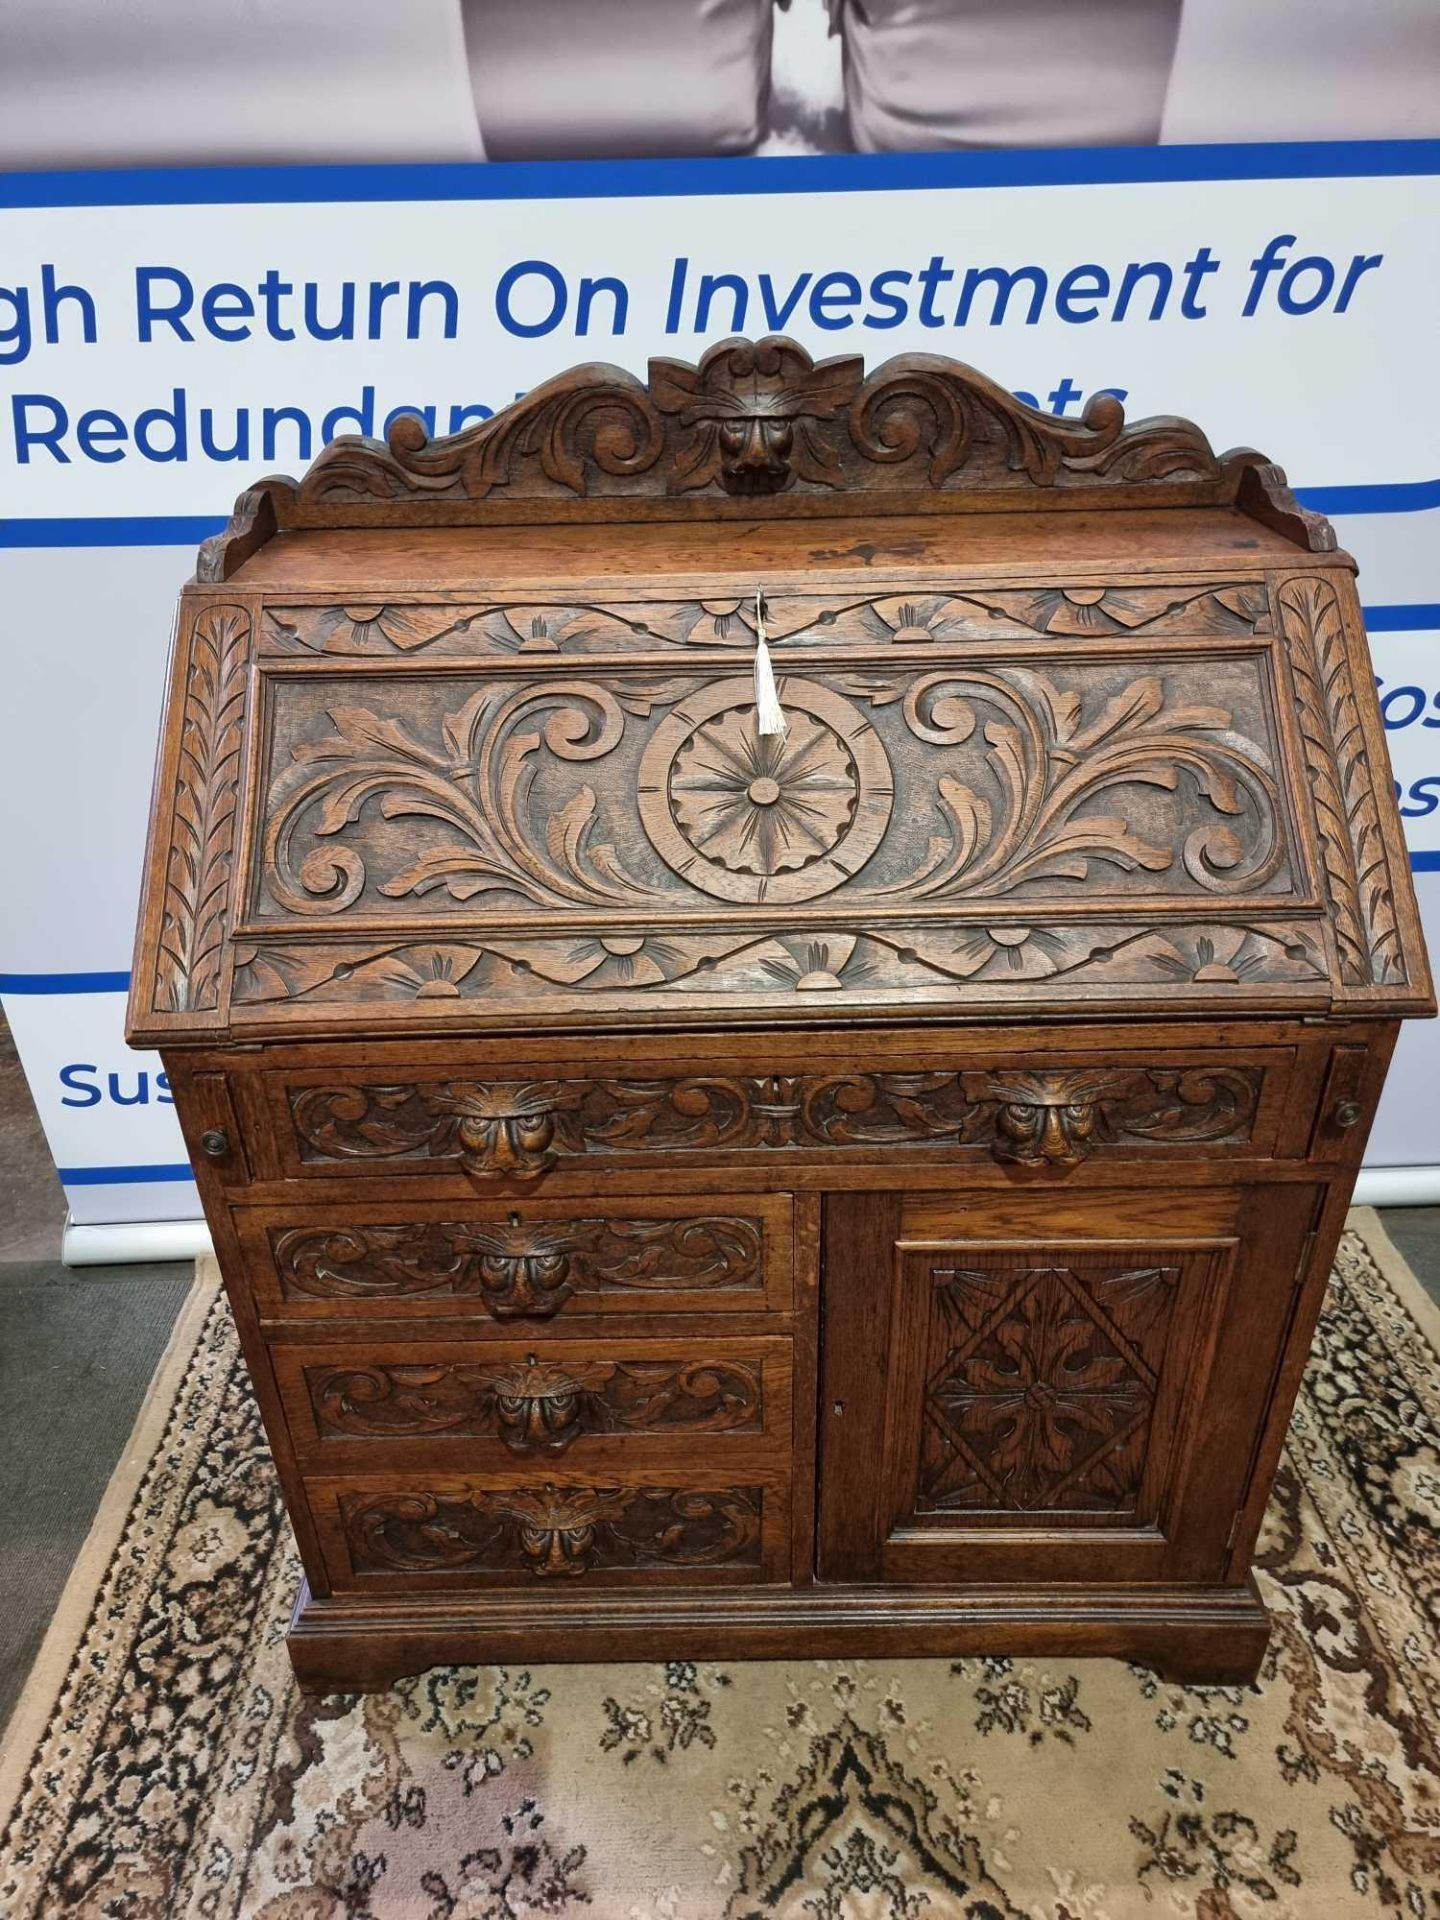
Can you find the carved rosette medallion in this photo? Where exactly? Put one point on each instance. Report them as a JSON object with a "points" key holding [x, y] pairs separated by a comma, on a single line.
{"points": [[754, 818]]}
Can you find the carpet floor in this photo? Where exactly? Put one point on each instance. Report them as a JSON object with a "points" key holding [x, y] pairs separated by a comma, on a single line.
{"points": [[161, 1763]]}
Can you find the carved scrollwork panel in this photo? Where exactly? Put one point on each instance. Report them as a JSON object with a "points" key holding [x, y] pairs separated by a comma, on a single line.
{"points": [[1041, 1384], [761, 417], [203, 823], [521, 1269], [617, 798], [553, 1531], [506, 1128], [536, 1405], [1055, 1117]]}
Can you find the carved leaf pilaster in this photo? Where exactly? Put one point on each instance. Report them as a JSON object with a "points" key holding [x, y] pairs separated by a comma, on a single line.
{"points": [[1357, 868], [202, 839]]}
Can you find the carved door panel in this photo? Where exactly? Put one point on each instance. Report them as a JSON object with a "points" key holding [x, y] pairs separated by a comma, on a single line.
{"points": [[1036, 1403]]}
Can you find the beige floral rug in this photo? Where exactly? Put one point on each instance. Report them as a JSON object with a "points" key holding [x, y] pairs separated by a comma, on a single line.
{"points": [[162, 1763]]}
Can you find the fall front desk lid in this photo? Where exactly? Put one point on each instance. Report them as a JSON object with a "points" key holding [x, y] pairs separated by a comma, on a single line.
{"points": [[1077, 716]]}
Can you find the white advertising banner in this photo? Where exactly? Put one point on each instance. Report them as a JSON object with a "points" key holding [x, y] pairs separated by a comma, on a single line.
{"points": [[165, 338]]}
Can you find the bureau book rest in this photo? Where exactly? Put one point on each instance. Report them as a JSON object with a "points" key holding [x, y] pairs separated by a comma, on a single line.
{"points": [[689, 1191]]}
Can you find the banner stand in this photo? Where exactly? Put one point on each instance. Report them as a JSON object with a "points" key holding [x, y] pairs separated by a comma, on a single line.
{"points": [[165, 334], [133, 1241]]}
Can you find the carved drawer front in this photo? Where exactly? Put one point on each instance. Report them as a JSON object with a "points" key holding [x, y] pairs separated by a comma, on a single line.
{"points": [[604, 1403], [1057, 1115], [505, 1267], [545, 1525]]}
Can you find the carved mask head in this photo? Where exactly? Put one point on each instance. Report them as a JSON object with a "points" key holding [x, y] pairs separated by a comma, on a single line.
{"points": [[754, 412], [537, 1407]]}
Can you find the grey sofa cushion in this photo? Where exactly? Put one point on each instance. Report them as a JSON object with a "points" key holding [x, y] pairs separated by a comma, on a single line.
{"points": [[1006, 73], [568, 79]]}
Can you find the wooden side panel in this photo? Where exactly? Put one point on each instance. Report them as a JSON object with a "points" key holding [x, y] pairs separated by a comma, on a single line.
{"points": [[181, 966], [861, 1231]]}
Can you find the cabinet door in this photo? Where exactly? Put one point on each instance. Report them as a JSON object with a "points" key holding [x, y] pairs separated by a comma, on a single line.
{"points": [[1078, 1404]]}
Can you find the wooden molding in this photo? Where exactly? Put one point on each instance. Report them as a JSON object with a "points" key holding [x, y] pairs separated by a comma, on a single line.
{"points": [[760, 420]]}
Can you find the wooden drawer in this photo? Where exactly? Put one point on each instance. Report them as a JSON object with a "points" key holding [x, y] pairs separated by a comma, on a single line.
{"points": [[602, 1406], [1053, 1108], [705, 1526], [500, 1264]]}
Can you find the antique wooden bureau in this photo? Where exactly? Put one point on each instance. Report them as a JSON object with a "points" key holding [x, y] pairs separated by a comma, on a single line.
{"points": [[693, 1191]]}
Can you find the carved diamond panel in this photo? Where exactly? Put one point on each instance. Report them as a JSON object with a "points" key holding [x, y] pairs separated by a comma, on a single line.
{"points": [[1040, 1387]]}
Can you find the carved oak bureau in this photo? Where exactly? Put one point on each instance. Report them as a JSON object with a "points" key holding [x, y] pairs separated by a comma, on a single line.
{"points": [[693, 1190]]}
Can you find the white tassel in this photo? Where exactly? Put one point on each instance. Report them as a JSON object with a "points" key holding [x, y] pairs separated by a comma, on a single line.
{"points": [[769, 714]]}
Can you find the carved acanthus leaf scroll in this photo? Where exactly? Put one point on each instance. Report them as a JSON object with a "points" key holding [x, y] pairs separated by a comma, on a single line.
{"points": [[536, 1405], [202, 834], [523, 1269], [1357, 867], [1051, 760], [1021, 763], [763, 417], [1057, 1119], [591, 424], [552, 1531], [1010, 1113], [476, 782]]}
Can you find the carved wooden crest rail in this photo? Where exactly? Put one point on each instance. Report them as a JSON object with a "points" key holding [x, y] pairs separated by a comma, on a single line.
{"points": [[864, 1188], [758, 420]]}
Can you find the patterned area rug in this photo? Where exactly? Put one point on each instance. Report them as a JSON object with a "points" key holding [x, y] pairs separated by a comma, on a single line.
{"points": [[162, 1763]]}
